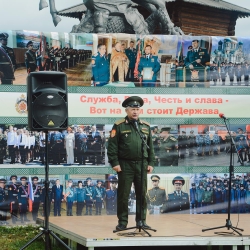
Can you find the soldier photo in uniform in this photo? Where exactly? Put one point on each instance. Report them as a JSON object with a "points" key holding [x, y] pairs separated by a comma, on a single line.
{"points": [[3, 203], [111, 196], [177, 201], [23, 197], [13, 198], [7, 61], [156, 196], [195, 72], [168, 148], [100, 193], [30, 58], [148, 68], [37, 197], [100, 67], [131, 53], [89, 196], [80, 198], [70, 197]]}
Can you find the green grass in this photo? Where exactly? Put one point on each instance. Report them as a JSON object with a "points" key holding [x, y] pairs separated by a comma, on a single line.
{"points": [[13, 238]]}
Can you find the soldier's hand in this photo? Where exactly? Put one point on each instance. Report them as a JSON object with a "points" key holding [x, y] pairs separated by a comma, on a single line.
{"points": [[191, 66], [1, 74], [142, 73], [117, 168], [150, 169], [198, 60], [52, 200]]}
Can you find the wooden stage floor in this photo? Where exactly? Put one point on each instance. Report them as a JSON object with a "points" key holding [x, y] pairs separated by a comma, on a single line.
{"points": [[172, 230]]}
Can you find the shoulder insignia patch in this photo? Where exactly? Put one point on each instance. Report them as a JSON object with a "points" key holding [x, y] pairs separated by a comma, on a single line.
{"points": [[172, 138], [144, 122], [120, 121], [113, 133], [162, 188]]}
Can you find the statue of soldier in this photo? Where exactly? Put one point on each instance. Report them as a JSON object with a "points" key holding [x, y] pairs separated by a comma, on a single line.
{"points": [[168, 144], [7, 61]]}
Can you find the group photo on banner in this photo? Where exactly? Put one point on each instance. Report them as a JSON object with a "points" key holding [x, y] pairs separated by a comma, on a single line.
{"points": [[126, 60], [96, 195], [86, 145]]}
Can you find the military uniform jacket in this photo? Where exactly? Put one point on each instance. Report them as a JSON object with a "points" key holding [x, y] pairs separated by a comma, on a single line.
{"points": [[3, 197], [70, 194], [23, 194], [37, 193], [167, 146], [7, 63], [156, 197], [99, 194], [176, 203], [131, 54], [152, 62], [13, 192], [125, 142], [208, 196], [100, 68], [80, 194], [201, 54], [111, 200], [89, 193], [30, 60]]}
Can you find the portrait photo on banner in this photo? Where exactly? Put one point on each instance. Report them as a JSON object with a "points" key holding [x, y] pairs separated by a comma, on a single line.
{"points": [[193, 61]]}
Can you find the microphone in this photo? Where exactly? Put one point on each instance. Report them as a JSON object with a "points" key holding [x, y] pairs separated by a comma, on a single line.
{"points": [[222, 116], [136, 124]]}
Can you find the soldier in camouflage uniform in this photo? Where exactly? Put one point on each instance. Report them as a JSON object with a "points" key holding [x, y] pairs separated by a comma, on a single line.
{"points": [[126, 158], [200, 143], [156, 196], [168, 144], [207, 142]]}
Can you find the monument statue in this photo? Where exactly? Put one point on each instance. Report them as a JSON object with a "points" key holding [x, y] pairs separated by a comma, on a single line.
{"points": [[119, 16]]}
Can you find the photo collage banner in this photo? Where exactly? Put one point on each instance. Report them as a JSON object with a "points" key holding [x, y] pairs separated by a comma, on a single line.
{"points": [[84, 195], [126, 60], [187, 145]]}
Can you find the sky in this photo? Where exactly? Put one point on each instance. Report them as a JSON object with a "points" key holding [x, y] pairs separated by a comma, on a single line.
{"points": [[25, 15]]}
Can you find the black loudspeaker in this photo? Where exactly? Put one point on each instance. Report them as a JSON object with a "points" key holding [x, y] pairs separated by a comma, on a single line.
{"points": [[47, 100]]}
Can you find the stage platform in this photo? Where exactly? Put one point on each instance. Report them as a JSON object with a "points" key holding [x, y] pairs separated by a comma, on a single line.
{"points": [[172, 230]]}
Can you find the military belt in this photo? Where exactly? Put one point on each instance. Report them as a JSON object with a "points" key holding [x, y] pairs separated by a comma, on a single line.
{"points": [[32, 62], [4, 62]]}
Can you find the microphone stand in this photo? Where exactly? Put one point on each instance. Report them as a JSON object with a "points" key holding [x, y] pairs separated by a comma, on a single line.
{"points": [[231, 172], [139, 224]]}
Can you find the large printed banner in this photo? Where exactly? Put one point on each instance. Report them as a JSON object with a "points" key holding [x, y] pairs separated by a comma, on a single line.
{"points": [[126, 60], [160, 106]]}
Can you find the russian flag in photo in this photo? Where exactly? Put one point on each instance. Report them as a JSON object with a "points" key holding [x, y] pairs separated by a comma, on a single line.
{"points": [[31, 194]]}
